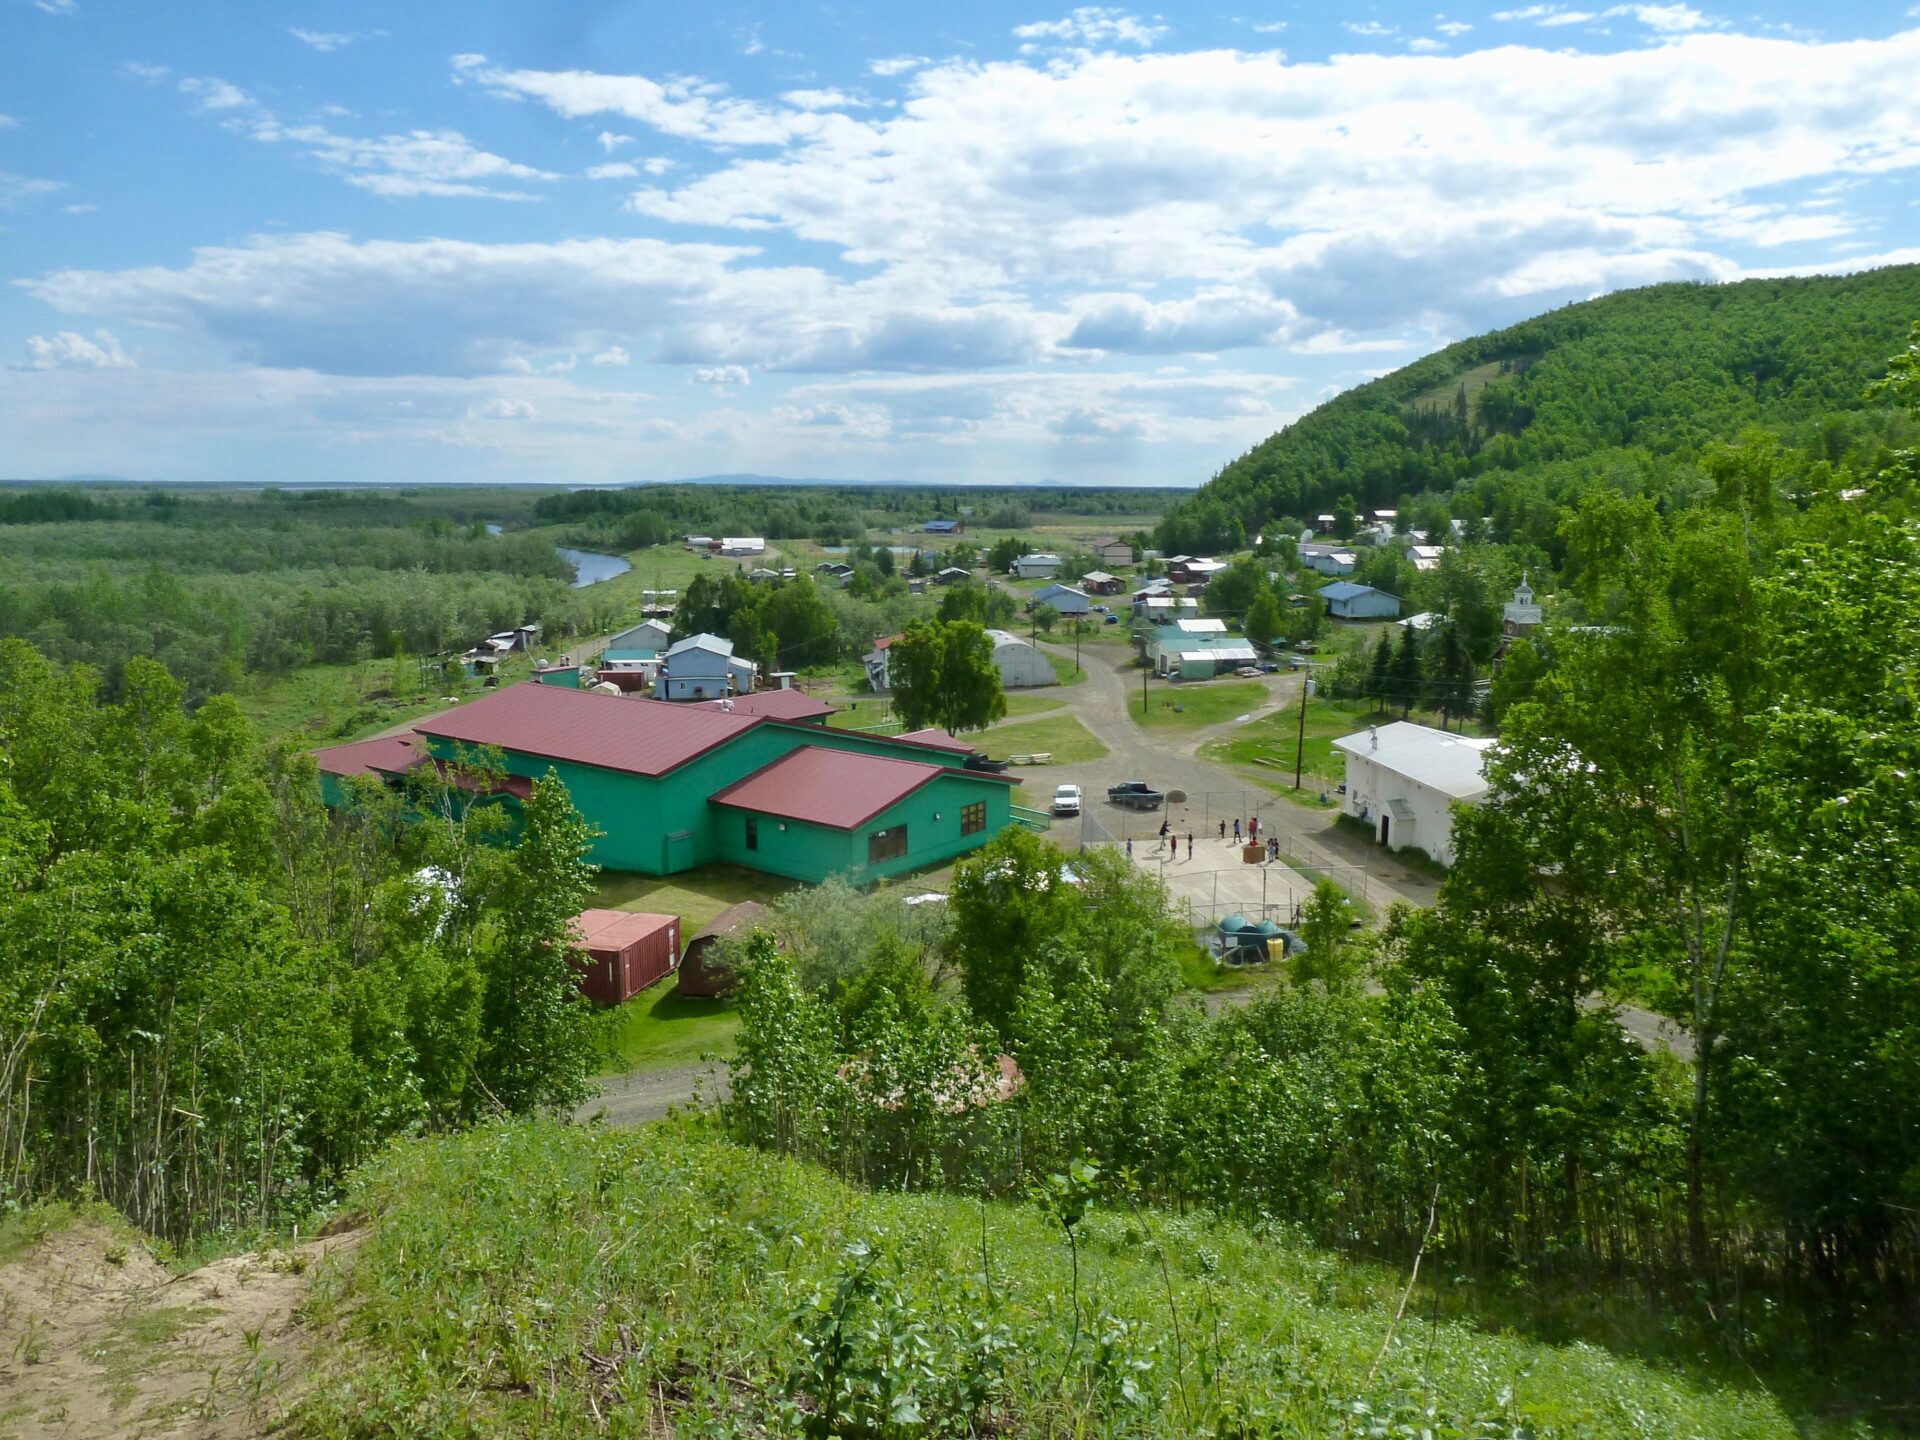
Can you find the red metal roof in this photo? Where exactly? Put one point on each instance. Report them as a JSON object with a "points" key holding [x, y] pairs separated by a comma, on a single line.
{"points": [[839, 788], [617, 929], [647, 737], [388, 755], [937, 739], [776, 704]]}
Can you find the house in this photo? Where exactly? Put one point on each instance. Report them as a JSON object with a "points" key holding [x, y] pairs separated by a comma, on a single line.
{"points": [[704, 667], [1329, 559], [1348, 601], [1425, 558], [1424, 621], [698, 542], [741, 545], [952, 575], [623, 952], [1380, 532], [1324, 523], [946, 527], [566, 676], [1111, 550], [1160, 609], [1403, 780], [1021, 664], [1099, 582], [879, 678], [1036, 567], [701, 976], [1193, 569], [1520, 614], [638, 642], [671, 787], [1383, 517], [1065, 598], [1197, 649], [1159, 585], [760, 575]]}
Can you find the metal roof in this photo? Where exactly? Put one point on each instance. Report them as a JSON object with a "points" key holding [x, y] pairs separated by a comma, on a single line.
{"points": [[1452, 764], [702, 641], [937, 739], [838, 788], [617, 929], [778, 704], [647, 737], [1347, 590], [388, 755]]}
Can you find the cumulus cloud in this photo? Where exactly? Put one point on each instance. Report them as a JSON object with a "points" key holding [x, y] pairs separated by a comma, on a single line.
{"points": [[215, 94], [613, 355], [325, 41], [897, 64], [722, 375], [57, 7], [70, 351], [618, 170], [1094, 25]]}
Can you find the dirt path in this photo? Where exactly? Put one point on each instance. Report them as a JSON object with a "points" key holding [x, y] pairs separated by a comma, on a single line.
{"points": [[98, 1342], [643, 1095]]}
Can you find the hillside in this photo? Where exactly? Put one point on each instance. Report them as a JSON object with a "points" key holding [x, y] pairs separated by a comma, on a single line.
{"points": [[1648, 377], [536, 1279]]}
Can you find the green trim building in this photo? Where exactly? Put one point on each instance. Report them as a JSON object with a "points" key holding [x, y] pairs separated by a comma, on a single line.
{"points": [[672, 787]]}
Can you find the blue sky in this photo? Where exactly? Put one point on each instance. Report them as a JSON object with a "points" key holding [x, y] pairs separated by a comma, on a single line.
{"points": [[596, 243]]}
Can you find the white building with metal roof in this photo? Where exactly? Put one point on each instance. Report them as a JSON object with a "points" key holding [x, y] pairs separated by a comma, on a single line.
{"points": [[1403, 780]]}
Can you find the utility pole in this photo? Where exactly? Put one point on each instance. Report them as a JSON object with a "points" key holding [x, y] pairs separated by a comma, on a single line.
{"points": [[1300, 741], [1079, 629], [1143, 693]]}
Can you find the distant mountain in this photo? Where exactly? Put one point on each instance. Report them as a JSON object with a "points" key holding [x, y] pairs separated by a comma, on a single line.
{"points": [[1649, 377]]}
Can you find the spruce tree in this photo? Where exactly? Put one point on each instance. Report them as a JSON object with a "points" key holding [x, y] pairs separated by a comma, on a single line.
{"points": [[1404, 684], [1380, 677]]}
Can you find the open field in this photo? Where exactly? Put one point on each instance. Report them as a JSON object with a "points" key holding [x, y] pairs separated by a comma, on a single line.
{"points": [[1193, 705], [1062, 736], [696, 896]]}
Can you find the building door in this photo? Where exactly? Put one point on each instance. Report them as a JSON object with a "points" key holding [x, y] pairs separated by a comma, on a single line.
{"points": [[1385, 821]]}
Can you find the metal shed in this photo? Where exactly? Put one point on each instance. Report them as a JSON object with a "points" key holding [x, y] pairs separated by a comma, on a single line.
{"points": [[700, 977]]}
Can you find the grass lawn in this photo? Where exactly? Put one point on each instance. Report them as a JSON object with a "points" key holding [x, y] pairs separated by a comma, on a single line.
{"points": [[696, 896], [663, 1028], [1273, 737], [1062, 736], [1201, 703], [332, 704]]}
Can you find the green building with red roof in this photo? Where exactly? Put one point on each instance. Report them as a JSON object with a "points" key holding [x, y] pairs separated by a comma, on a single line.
{"points": [[762, 784]]}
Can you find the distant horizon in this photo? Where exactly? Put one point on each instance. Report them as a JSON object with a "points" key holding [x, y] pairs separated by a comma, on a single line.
{"points": [[718, 480], [443, 244]]}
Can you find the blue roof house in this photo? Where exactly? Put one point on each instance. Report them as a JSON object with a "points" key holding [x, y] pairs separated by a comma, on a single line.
{"points": [[1348, 601]]}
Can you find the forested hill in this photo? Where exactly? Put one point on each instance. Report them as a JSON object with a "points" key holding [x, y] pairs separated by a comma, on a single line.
{"points": [[1642, 377]]}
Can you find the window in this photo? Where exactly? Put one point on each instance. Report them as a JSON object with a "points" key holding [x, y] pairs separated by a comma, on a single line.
{"points": [[889, 844], [973, 818], [753, 832]]}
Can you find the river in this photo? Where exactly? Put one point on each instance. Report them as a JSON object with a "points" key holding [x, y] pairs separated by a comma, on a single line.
{"points": [[590, 567]]}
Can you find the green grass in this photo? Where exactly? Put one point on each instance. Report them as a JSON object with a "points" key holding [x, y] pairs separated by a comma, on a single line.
{"points": [[663, 1028], [1200, 703], [538, 1279], [696, 896], [1064, 671], [1274, 737], [332, 704], [1062, 736]]}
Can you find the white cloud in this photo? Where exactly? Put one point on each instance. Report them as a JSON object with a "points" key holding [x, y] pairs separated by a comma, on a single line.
{"points": [[823, 100], [504, 409], [17, 188], [325, 41], [683, 107], [67, 350], [8, 122], [80, 209], [722, 375], [1369, 27], [611, 142], [897, 64], [215, 94], [1095, 25], [1423, 45], [1269, 27], [57, 7], [618, 170], [1453, 27], [1673, 19], [613, 355]]}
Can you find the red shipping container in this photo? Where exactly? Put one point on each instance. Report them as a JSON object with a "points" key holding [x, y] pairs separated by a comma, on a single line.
{"points": [[626, 952]]}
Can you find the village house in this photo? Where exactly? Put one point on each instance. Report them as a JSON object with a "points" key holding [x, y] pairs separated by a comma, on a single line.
{"points": [[1042, 566], [1065, 598], [704, 667], [1099, 582], [672, 787], [1348, 601], [1111, 550], [1021, 664], [1403, 781]]}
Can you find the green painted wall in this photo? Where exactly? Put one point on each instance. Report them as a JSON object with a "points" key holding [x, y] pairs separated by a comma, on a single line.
{"points": [[640, 815]]}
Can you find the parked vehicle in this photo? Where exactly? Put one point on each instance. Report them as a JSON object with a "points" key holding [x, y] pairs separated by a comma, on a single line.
{"points": [[985, 762], [1066, 800], [1268, 667], [1135, 795], [1248, 672], [1111, 620]]}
